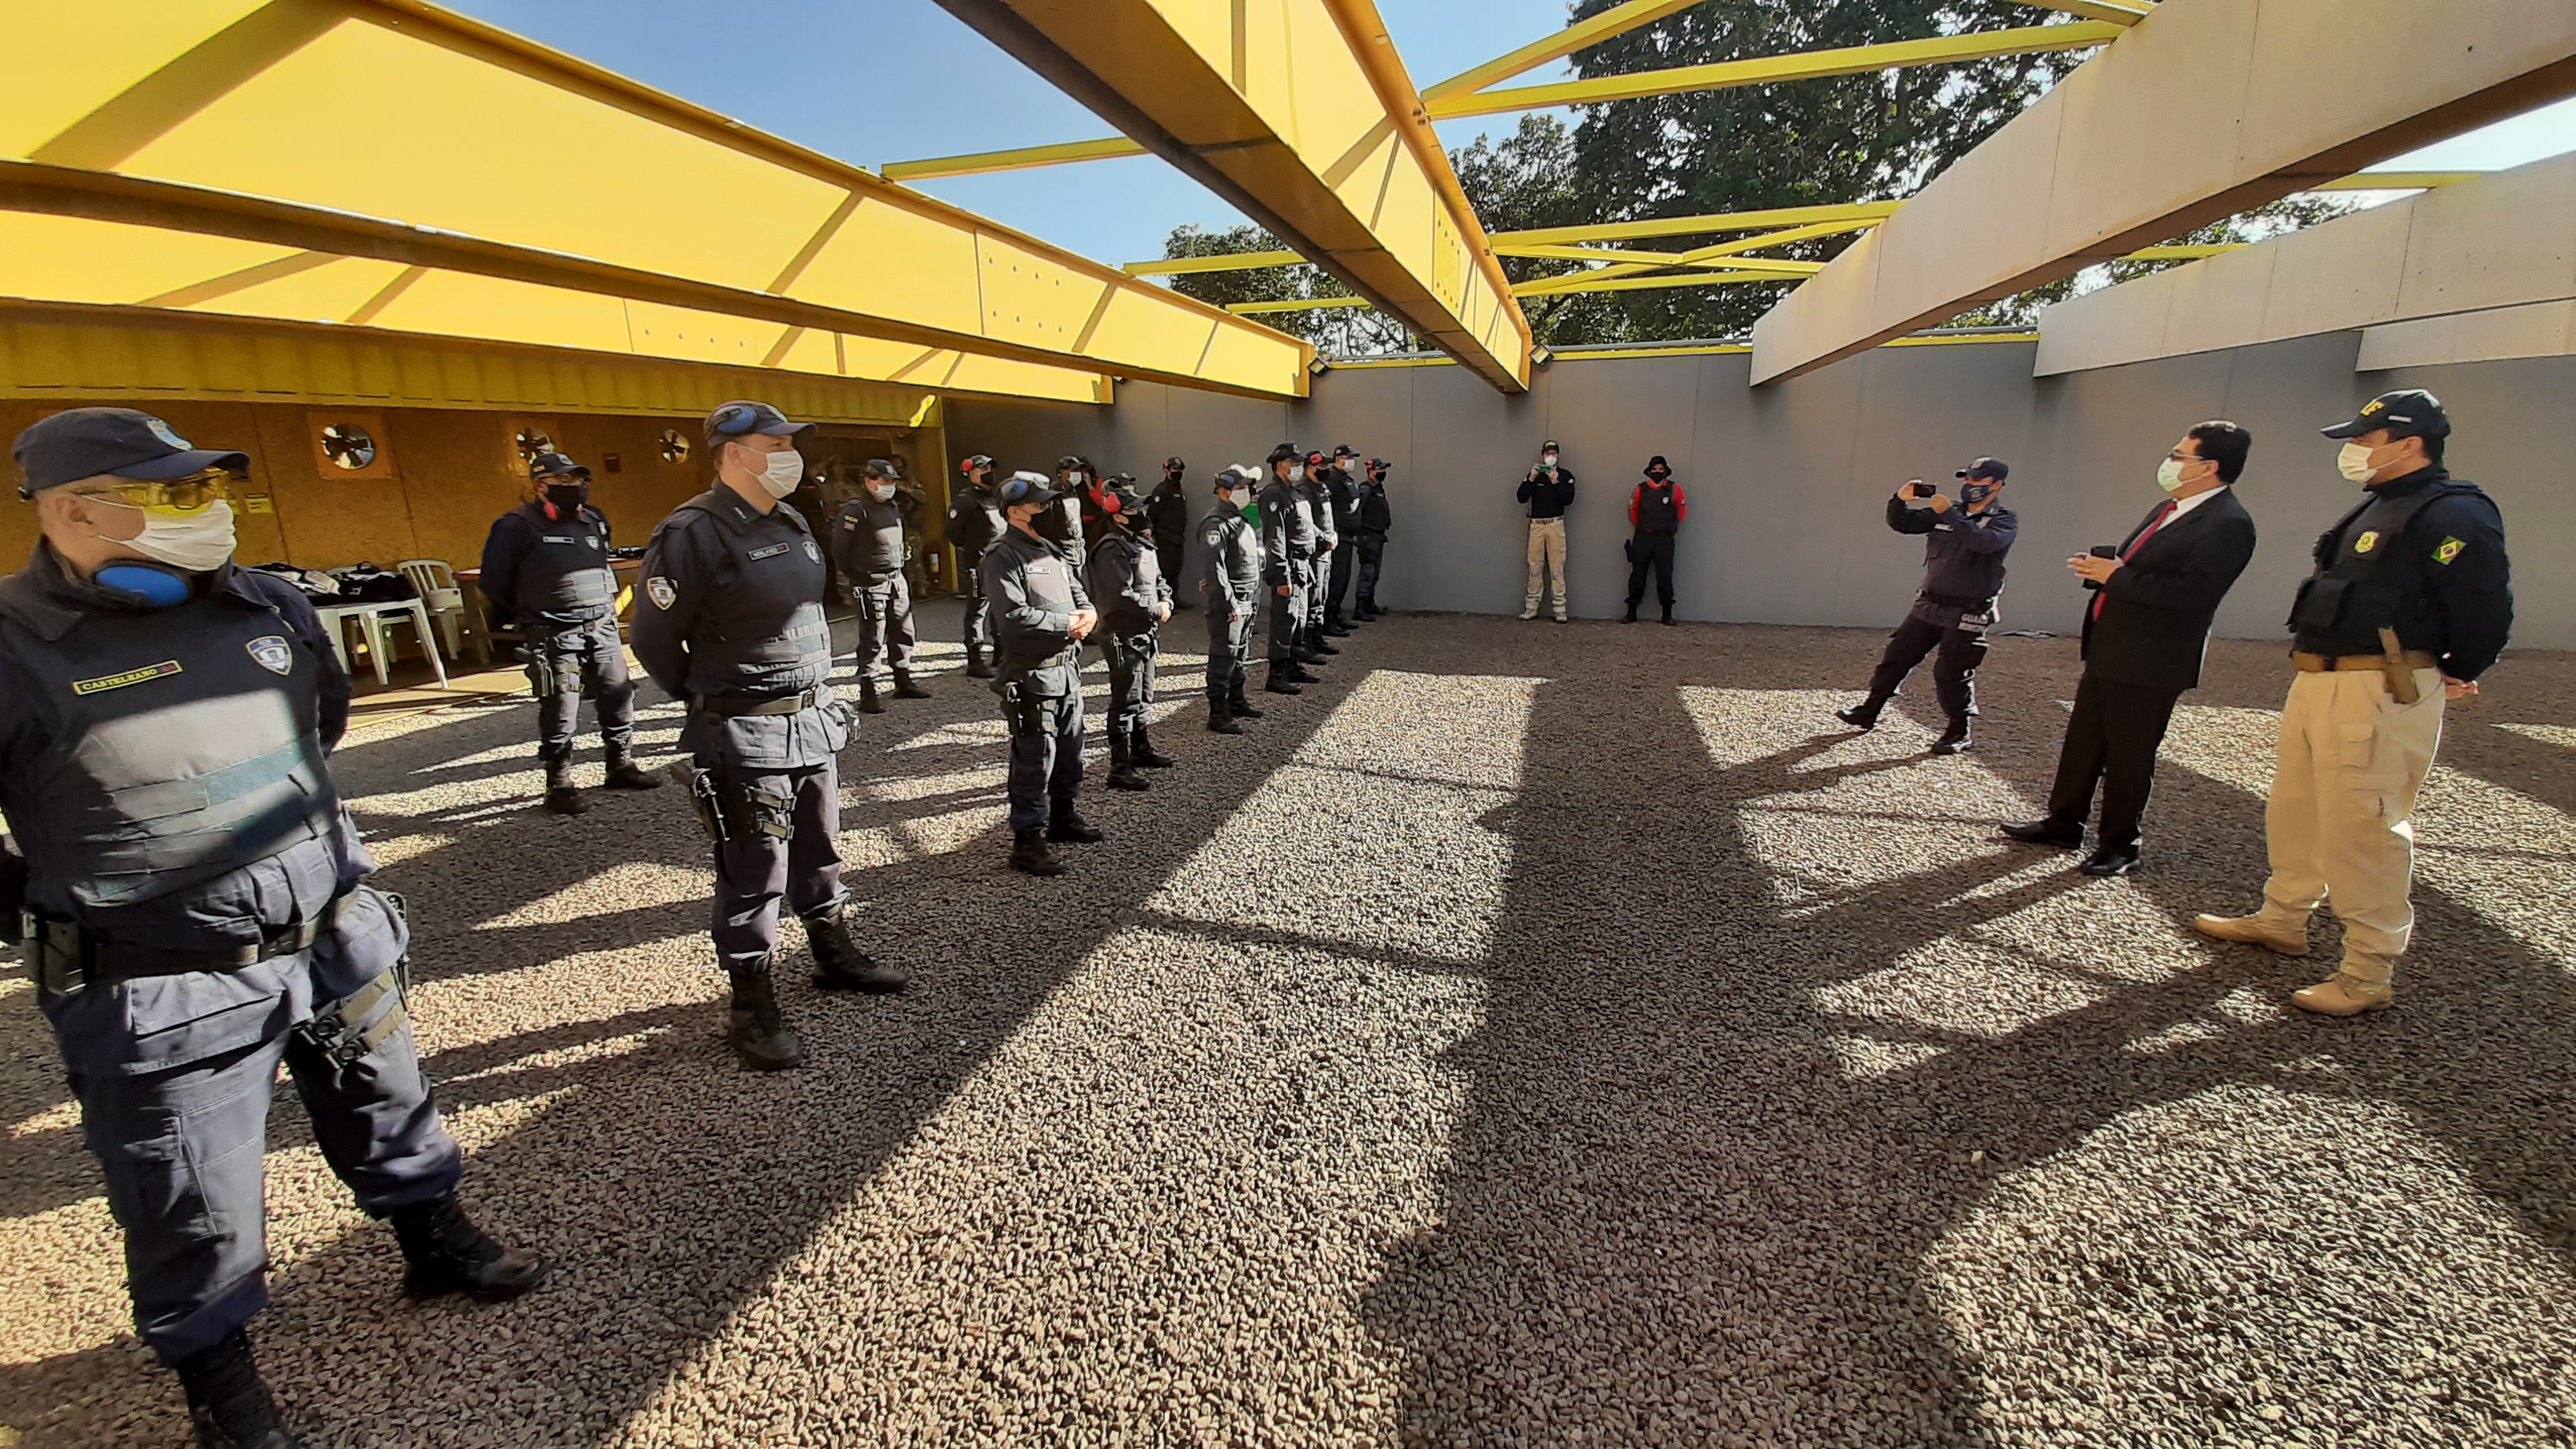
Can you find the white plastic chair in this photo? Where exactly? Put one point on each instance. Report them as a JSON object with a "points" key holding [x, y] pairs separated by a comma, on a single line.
{"points": [[435, 582]]}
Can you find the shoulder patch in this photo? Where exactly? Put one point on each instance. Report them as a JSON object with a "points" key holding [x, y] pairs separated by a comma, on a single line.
{"points": [[661, 591], [813, 553], [106, 682], [272, 653], [2447, 550]]}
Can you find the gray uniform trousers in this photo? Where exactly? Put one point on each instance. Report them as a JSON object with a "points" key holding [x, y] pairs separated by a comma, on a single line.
{"points": [[1229, 643], [1046, 753], [586, 661], [885, 626], [979, 612], [1289, 613], [1319, 573], [173, 1074], [1371, 548]]}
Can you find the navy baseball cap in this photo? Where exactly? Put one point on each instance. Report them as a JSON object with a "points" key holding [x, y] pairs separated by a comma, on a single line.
{"points": [[1022, 488], [79, 443], [883, 468], [743, 417], [1345, 450], [555, 465], [2409, 412], [1991, 468]]}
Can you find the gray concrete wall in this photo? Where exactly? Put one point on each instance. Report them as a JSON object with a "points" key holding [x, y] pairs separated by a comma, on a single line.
{"points": [[1787, 482]]}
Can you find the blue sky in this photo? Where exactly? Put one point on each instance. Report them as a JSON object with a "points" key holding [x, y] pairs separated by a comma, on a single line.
{"points": [[893, 80]]}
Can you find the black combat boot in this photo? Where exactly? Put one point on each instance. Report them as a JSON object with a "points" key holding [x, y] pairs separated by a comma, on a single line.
{"points": [[870, 701], [1316, 643], [1367, 611], [1631, 616], [1140, 748], [448, 1254], [979, 664], [1029, 852], [904, 688], [561, 797], [1283, 679], [226, 1400], [1239, 703], [1864, 715], [1668, 613], [839, 964], [1334, 626], [754, 1029], [1954, 739], [1066, 825], [1123, 774], [1221, 718], [624, 774], [1300, 674]]}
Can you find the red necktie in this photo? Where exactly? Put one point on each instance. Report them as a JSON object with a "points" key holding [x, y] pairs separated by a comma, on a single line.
{"points": [[2148, 532]]}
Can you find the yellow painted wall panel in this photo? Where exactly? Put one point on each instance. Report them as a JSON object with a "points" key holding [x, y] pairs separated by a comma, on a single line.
{"points": [[685, 335], [505, 311], [72, 259], [889, 262], [1031, 300], [66, 58], [424, 134]]}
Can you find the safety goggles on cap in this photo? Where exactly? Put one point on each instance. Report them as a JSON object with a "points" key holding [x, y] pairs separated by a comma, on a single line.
{"points": [[1022, 488]]}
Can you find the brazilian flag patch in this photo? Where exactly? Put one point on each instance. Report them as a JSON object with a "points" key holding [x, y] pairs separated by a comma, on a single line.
{"points": [[2448, 550]]}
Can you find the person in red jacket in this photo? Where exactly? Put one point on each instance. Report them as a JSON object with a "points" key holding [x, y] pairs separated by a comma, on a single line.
{"points": [[1655, 511]]}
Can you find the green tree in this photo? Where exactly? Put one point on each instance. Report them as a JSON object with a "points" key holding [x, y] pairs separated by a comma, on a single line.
{"points": [[1335, 331]]}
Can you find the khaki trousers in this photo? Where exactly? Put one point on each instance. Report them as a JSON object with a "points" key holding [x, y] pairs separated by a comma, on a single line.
{"points": [[1546, 555], [2339, 820]]}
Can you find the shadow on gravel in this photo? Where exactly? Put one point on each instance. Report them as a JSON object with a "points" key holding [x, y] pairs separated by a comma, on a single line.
{"points": [[1689, 1203], [669, 1186]]}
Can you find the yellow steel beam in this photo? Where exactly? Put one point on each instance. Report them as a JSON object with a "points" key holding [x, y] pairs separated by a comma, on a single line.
{"points": [[1229, 262], [1021, 159], [1615, 21], [1299, 113], [396, 130], [1699, 225], [2398, 180], [1768, 70], [2117, 14], [1302, 304], [1735, 249], [1632, 263], [1642, 284], [2191, 252]]}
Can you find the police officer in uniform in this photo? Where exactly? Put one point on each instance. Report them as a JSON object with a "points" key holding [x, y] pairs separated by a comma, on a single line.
{"points": [[1169, 506], [546, 573], [867, 547], [1963, 573], [974, 522], [732, 622], [1287, 553], [1231, 577], [1342, 493], [1042, 614], [2411, 601], [1376, 518], [1126, 582], [1317, 500], [194, 903], [1076, 478]]}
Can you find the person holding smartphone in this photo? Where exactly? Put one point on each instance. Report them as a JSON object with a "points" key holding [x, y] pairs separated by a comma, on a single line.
{"points": [[1547, 492], [1963, 574]]}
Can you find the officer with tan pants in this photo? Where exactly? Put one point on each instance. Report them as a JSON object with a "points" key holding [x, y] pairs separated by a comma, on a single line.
{"points": [[2411, 601]]}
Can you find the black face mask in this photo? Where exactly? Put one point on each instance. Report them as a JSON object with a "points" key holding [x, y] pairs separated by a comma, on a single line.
{"points": [[1659, 475], [1055, 524], [567, 496]]}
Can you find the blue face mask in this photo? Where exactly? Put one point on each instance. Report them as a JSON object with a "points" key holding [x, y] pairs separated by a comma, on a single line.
{"points": [[158, 587]]}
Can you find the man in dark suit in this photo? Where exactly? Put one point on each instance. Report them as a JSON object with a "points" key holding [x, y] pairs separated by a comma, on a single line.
{"points": [[2145, 633]]}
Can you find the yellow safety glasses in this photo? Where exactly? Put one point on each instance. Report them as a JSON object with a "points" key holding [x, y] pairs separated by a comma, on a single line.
{"points": [[180, 495]]}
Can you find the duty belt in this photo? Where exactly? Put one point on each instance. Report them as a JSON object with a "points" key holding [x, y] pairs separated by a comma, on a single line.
{"points": [[723, 708], [1947, 601], [66, 958], [2341, 663]]}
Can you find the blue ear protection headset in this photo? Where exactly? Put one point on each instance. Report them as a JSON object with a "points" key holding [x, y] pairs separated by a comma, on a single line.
{"points": [[155, 585], [736, 418]]}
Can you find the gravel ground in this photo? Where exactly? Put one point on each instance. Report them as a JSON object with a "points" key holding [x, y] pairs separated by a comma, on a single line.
{"points": [[1536, 1035]]}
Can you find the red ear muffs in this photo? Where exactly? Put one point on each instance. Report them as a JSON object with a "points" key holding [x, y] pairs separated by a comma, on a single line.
{"points": [[550, 510]]}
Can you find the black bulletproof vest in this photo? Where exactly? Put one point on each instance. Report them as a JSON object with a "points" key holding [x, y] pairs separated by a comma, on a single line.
{"points": [[762, 633], [1168, 510], [2370, 573], [1375, 515], [974, 522], [867, 540], [1279, 501], [1659, 510], [185, 745], [1119, 562], [564, 577], [1318, 506]]}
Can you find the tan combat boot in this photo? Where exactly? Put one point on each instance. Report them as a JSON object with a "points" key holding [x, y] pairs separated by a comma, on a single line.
{"points": [[2252, 931], [2344, 995]]}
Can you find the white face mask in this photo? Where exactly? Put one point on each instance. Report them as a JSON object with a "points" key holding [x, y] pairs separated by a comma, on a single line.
{"points": [[1547, 460], [1348, 466], [781, 471], [2169, 474], [881, 491], [1296, 472], [2354, 462], [195, 543]]}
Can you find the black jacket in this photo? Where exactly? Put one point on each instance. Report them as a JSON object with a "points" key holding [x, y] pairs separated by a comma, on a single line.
{"points": [[1168, 510], [1963, 559], [2156, 610], [1549, 500], [1376, 515]]}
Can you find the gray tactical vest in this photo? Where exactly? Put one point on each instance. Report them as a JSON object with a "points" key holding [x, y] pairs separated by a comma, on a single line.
{"points": [[1045, 577], [763, 634], [1233, 554], [564, 577], [185, 746], [867, 541]]}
